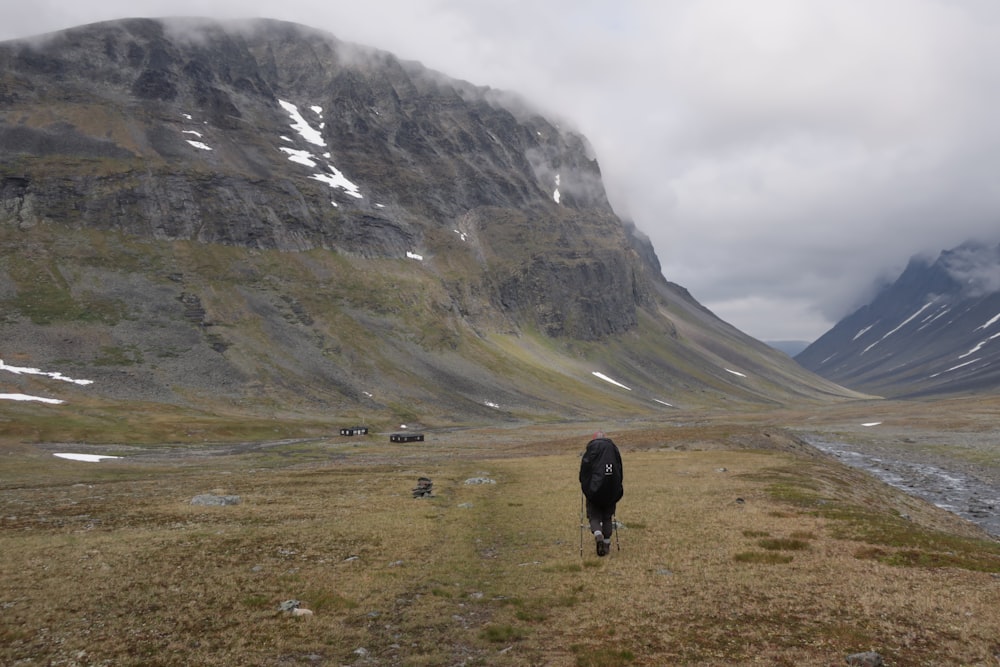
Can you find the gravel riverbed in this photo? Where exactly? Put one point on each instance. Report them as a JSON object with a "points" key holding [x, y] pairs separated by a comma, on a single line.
{"points": [[969, 490]]}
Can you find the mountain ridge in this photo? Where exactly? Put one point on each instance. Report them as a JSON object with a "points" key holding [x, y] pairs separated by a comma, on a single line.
{"points": [[267, 216], [932, 331]]}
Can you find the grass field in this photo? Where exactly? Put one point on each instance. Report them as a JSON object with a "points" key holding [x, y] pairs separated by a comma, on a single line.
{"points": [[729, 555]]}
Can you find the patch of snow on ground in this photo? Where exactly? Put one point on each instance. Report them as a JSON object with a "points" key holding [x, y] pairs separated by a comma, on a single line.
{"points": [[862, 332], [89, 458], [336, 179], [491, 404], [955, 368], [607, 379], [555, 195], [871, 423], [194, 132], [978, 346], [992, 321], [933, 317], [55, 375], [301, 157], [199, 145], [669, 405], [300, 125], [186, 115], [413, 255], [729, 370], [461, 235], [26, 397], [901, 325]]}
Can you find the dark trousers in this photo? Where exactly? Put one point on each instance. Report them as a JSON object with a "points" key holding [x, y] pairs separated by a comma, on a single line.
{"points": [[601, 518]]}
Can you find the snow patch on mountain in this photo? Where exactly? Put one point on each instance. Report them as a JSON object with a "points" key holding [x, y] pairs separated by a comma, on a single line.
{"points": [[331, 175], [901, 325], [604, 377]]}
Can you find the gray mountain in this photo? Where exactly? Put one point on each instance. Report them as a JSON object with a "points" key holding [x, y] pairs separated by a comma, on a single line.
{"points": [[933, 331], [258, 217], [789, 347]]}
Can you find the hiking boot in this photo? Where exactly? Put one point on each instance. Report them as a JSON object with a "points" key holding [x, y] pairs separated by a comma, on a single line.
{"points": [[599, 538]]}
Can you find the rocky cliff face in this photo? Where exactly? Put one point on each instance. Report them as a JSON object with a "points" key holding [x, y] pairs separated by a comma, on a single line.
{"points": [[270, 135], [259, 214]]}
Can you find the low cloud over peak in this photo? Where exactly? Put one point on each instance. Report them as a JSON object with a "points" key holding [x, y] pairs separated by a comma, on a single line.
{"points": [[783, 156]]}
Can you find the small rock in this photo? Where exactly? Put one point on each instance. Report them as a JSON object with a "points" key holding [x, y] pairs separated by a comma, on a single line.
{"points": [[480, 480], [424, 488], [866, 659], [214, 500], [299, 611], [289, 605]]}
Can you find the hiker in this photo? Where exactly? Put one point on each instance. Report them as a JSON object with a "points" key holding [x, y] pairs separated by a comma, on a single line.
{"points": [[601, 483]]}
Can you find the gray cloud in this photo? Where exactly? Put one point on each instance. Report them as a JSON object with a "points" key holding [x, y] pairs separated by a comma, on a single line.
{"points": [[784, 156], [976, 267]]}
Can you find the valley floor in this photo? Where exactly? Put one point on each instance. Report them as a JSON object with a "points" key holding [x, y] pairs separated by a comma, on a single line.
{"points": [[739, 546]]}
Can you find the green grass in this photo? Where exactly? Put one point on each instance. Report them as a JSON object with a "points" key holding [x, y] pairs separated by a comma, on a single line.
{"points": [[762, 557], [502, 633], [783, 544], [898, 541], [43, 294], [488, 574], [603, 656], [140, 423]]}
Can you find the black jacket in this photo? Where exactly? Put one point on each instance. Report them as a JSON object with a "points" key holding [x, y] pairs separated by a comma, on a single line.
{"points": [[601, 472]]}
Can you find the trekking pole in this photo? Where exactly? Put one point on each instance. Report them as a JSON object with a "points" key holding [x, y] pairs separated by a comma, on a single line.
{"points": [[581, 524], [618, 541]]}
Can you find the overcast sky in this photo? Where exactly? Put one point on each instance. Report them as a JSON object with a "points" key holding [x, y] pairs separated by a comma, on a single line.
{"points": [[784, 156]]}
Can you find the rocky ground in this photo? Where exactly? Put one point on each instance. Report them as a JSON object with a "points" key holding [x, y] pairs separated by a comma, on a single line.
{"points": [[970, 491], [946, 452]]}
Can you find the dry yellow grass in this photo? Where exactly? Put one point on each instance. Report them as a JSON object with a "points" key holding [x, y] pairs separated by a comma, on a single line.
{"points": [[728, 557]]}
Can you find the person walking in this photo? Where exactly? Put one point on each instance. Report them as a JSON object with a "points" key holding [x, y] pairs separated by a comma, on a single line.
{"points": [[601, 482]]}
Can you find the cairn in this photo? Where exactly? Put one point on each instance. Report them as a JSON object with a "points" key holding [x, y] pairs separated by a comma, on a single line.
{"points": [[424, 488]]}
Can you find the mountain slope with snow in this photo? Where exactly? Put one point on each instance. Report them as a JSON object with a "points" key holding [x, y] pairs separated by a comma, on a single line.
{"points": [[935, 330], [260, 217]]}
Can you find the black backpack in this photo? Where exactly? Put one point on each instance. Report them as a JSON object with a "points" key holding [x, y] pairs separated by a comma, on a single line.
{"points": [[601, 472]]}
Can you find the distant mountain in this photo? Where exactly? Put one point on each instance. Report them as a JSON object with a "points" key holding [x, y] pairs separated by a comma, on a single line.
{"points": [[935, 330], [789, 347], [259, 217]]}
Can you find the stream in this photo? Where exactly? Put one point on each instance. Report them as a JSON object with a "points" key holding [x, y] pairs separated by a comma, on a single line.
{"points": [[959, 492]]}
